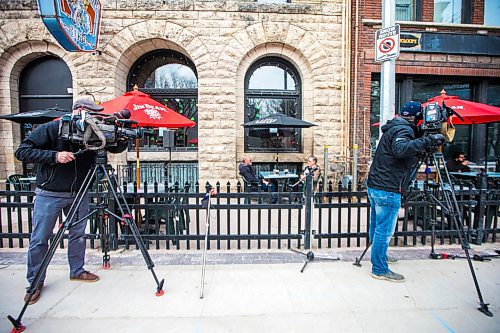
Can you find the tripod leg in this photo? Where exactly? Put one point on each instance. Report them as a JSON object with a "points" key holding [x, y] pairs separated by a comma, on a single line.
{"points": [[130, 222], [454, 211], [67, 224], [357, 262], [104, 221], [207, 231], [304, 267]]}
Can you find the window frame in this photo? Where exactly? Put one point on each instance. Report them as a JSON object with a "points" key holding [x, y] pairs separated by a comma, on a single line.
{"points": [[295, 95], [141, 70]]}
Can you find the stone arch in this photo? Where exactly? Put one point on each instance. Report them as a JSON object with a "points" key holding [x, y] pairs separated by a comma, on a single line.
{"points": [[299, 47], [13, 59], [126, 46]]}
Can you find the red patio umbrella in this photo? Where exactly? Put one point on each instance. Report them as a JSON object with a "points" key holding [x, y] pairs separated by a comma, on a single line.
{"points": [[148, 113], [472, 112]]}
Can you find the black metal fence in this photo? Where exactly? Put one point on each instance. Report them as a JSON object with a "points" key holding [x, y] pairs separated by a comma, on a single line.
{"points": [[173, 218]]}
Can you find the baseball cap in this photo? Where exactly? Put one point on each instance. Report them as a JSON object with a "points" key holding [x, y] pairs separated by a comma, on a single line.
{"points": [[87, 104], [410, 109]]}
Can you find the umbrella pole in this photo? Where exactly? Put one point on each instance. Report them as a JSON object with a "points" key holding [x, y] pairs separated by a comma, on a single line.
{"points": [[486, 151], [277, 149], [137, 163]]}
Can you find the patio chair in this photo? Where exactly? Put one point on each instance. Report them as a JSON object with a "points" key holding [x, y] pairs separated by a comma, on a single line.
{"points": [[17, 185], [15, 181]]}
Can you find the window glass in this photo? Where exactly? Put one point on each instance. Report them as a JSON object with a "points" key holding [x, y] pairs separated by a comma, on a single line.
{"points": [[404, 10], [172, 76], [492, 12], [271, 77], [374, 114], [272, 86], [493, 148], [448, 11]]}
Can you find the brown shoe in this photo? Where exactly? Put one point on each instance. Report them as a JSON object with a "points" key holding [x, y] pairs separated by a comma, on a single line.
{"points": [[85, 277], [35, 297]]}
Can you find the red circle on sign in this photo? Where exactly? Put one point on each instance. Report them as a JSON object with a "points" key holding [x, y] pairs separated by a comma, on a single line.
{"points": [[386, 45]]}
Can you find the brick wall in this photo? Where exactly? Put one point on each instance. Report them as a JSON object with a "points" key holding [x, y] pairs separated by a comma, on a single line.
{"points": [[414, 63]]}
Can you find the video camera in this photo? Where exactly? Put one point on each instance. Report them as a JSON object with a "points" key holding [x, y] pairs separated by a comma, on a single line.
{"points": [[434, 120], [95, 130], [433, 116]]}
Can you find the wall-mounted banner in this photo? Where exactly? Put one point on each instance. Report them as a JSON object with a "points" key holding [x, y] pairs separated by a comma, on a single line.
{"points": [[451, 43], [74, 23]]}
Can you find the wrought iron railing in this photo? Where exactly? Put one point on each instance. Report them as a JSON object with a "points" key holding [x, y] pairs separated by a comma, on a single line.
{"points": [[173, 218]]}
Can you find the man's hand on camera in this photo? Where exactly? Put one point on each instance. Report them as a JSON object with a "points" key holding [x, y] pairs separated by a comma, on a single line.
{"points": [[64, 157]]}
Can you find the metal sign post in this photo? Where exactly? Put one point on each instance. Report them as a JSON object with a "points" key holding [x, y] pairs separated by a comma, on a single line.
{"points": [[388, 45]]}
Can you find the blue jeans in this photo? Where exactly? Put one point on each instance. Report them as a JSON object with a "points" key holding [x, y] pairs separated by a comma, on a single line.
{"points": [[384, 208], [48, 206]]}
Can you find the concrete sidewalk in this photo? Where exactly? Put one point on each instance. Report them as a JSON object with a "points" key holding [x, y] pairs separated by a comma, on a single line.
{"points": [[438, 296]]}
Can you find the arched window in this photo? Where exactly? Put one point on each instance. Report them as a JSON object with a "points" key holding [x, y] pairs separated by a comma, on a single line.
{"points": [[272, 85], [170, 78], [45, 82]]}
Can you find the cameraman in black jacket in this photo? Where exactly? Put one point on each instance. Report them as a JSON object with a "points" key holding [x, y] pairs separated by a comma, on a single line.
{"points": [[60, 174], [389, 177]]}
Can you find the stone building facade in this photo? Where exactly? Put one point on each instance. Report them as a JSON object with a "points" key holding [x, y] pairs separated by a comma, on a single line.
{"points": [[222, 39]]}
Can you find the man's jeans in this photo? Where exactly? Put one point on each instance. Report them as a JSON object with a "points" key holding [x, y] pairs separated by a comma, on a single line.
{"points": [[383, 217], [47, 208]]}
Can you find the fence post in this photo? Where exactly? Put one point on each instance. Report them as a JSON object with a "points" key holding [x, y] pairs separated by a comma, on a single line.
{"points": [[308, 212], [482, 184]]}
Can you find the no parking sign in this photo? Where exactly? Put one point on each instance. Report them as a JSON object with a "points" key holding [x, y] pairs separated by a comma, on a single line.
{"points": [[387, 43]]}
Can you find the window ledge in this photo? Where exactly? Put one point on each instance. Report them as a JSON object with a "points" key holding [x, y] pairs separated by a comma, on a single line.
{"points": [[372, 22]]}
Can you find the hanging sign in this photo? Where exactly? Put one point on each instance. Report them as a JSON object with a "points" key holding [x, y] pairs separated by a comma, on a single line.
{"points": [[73, 23], [387, 43]]}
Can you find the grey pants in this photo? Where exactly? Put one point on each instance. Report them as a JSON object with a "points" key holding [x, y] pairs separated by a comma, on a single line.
{"points": [[48, 206]]}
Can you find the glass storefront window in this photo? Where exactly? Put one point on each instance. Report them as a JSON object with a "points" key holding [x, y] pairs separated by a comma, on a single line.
{"points": [[492, 12], [421, 91], [448, 11]]}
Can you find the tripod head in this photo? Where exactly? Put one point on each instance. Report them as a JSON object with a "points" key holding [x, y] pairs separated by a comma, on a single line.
{"points": [[101, 157]]}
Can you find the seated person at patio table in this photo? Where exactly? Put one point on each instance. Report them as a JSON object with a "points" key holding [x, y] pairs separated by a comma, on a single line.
{"points": [[311, 168], [458, 163], [247, 171]]}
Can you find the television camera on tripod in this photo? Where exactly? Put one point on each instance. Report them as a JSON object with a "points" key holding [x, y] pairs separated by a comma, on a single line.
{"points": [[432, 124], [443, 194], [71, 153]]}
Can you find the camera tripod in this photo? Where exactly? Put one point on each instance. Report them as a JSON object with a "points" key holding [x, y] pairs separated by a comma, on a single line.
{"points": [[126, 219], [451, 209], [310, 256]]}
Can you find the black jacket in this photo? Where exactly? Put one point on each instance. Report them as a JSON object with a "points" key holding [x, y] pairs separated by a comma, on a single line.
{"points": [[248, 173], [455, 166], [396, 156], [41, 147]]}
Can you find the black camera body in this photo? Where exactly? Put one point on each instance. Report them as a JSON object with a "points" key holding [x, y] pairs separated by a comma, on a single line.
{"points": [[433, 116], [95, 130]]}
